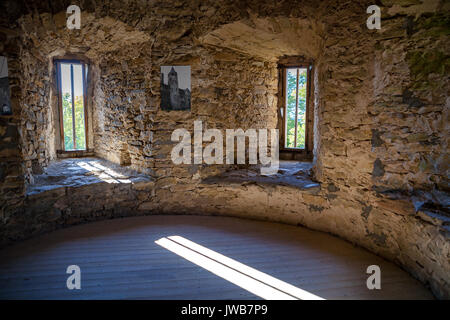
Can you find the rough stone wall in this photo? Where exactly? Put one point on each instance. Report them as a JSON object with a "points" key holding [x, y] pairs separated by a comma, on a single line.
{"points": [[121, 114], [381, 106], [410, 134], [229, 91], [126, 100], [411, 87], [44, 37], [130, 123], [12, 183], [381, 150], [35, 114]]}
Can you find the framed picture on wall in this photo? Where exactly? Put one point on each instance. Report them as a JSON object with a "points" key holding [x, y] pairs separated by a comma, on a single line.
{"points": [[5, 101], [176, 88]]}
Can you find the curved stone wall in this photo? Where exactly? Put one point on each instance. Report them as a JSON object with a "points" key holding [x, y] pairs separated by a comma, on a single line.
{"points": [[381, 107], [421, 245]]}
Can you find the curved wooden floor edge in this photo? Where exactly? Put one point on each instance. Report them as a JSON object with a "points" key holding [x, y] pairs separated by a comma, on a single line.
{"points": [[391, 228], [195, 257]]}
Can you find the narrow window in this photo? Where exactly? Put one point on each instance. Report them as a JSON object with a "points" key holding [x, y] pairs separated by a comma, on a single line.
{"points": [[72, 104], [296, 94]]}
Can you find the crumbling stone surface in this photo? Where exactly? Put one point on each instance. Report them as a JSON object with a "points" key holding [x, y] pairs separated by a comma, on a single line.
{"points": [[412, 103], [380, 103], [78, 172], [12, 184], [290, 173]]}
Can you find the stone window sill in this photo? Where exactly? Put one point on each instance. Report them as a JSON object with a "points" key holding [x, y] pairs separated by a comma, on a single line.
{"points": [[62, 154], [77, 172], [291, 173]]}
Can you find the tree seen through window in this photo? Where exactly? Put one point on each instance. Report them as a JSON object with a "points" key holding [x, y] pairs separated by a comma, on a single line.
{"points": [[296, 82]]}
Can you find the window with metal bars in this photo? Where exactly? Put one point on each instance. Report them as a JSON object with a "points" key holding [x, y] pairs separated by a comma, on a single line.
{"points": [[295, 108], [72, 76]]}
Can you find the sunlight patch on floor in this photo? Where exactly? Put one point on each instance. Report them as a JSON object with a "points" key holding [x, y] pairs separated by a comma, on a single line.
{"points": [[250, 279]]}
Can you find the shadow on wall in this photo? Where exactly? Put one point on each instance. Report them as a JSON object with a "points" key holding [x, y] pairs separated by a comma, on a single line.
{"points": [[269, 38]]}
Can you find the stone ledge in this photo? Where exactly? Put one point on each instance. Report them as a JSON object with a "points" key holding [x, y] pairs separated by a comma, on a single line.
{"points": [[78, 172], [436, 218], [291, 174], [429, 206]]}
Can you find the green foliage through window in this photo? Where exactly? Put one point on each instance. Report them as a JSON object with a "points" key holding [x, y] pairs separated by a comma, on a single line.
{"points": [[80, 138], [292, 108]]}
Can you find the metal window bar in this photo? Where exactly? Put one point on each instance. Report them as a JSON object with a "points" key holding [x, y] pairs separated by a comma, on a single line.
{"points": [[74, 135], [296, 108]]}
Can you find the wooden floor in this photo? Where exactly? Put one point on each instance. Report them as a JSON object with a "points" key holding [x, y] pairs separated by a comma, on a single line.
{"points": [[119, 259]]}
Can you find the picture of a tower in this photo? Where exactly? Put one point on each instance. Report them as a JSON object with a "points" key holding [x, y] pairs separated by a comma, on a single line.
{"points": [[176, 94]]}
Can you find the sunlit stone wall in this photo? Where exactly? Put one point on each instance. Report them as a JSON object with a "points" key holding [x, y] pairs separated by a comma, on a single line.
{"points": [[381, 109]]}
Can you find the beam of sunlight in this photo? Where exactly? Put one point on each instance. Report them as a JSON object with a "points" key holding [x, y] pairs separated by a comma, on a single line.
{"points": [[97, 172], [103, 173], [107, 170], [87, 166], [261, 276], [252, 280], [239, 279]]}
